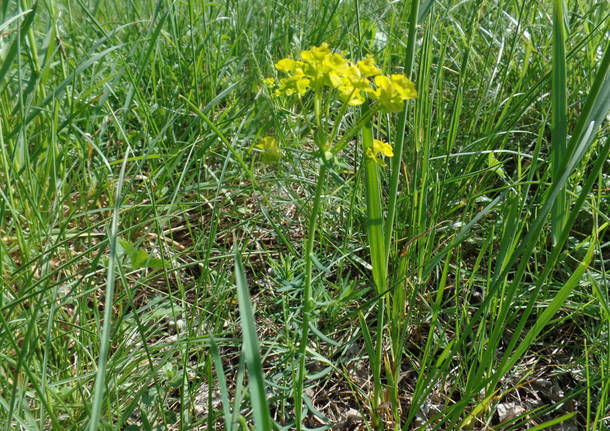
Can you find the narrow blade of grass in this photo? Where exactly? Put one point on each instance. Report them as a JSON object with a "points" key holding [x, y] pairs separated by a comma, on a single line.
{"points": [[553, 422], [100, 377], [596, 106], [256, 383], [512, 358], [222, 382], [374, 229], [400, 130], [559, 114], [374, 215]]}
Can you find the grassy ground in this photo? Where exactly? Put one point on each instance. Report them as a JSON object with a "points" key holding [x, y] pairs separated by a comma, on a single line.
{"points": [[131, 190]]}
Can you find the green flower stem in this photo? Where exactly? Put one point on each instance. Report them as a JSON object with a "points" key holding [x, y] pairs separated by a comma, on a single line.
{"points": [[307, 294], [309, 243], [374, 227], [321, 131]]}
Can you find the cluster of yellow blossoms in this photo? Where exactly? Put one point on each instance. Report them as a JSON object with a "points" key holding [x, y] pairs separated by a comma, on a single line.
{"points": [[319, 67]]}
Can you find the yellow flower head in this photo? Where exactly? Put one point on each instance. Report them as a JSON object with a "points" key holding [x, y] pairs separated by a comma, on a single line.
{"points": [[404, 86], [354, 86], [393, 91], [270, 150], [316, 54], [270, 82], [334, 66], [319, 66], [298, 84], [351, 95], [368, 67], [287, 65], [379, 147]]}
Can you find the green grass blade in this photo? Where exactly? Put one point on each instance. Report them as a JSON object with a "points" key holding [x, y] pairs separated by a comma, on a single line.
{"points": [[400, 131], [559, 115], [553, 422], [595, 108], [100, 376], [13, 50], [224, 140], [374, 229], [424, 10], [374, 215], [548, 313], [222, 382], [256, 383]]}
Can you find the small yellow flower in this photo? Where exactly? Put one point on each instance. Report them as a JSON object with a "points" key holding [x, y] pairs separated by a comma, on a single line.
{"points": [[271, 152], [379, 147], [357, 79], [298, 83], [351, 95], [404, 87], [319, 63], [286, 65], [316, 54], [368, 67], [334, 66], [354, 87], [393, 91], [320, 67], [270, 82]]}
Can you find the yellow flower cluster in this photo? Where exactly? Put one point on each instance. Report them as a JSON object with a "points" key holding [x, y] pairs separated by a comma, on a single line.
{"points": [[379, 147], [270, 150], [319, 67]]}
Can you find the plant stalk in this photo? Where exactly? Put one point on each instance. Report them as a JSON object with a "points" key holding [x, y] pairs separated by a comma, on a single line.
{"points": [[309, 243]]}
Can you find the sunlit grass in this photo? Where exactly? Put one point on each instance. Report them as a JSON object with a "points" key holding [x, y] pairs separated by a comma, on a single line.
{"points": [[130, 173]]}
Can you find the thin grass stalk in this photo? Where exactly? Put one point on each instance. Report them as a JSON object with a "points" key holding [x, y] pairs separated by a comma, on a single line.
{"points": [[224, 140], [596, 106], [525, 249], [511, 359], [222, 383], [581, 144], [28, 372], [251, 350], [400, 131], [193, 53], [426, 368], [552, 260], [558, 116], [99, 388]]}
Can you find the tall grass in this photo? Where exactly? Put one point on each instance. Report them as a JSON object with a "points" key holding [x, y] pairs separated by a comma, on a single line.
{"points": [[129, 167]]}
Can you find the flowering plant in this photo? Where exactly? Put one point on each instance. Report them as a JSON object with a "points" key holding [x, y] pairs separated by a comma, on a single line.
{"points": [[330, 74]]}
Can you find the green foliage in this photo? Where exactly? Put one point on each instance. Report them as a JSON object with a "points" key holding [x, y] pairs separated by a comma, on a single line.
{"points": [[130, 174]]}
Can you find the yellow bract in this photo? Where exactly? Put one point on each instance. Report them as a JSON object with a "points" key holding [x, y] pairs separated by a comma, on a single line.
{"points": [[368, 67], [379, 147], [270, 150], [393, 91], [270, 82], [288, 65]]}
